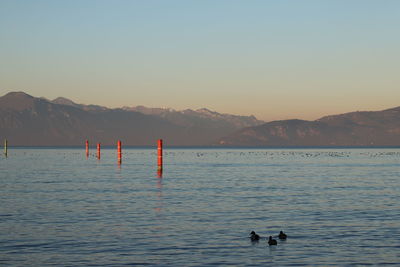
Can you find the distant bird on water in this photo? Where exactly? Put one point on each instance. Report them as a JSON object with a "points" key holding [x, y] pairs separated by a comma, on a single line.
{"points": [[282, 235], [254, 236], [272, 242]]}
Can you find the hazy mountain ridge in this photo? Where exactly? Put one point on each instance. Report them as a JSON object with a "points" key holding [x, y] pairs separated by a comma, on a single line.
{"points": [[366, 128], [68, 102], [27, 120], [187, 118], [200, 117]]}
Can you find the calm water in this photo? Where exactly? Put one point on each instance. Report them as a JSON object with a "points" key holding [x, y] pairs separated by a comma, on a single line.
{"points": [[338, 207]]}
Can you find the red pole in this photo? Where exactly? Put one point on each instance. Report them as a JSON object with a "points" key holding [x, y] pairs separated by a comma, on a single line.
{"points": [[87, 148], [160, 154], [98, 150], [119, 152]]}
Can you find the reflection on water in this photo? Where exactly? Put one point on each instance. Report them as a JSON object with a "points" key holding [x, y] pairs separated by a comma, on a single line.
{"points": [[159, 193], [159, 173], [338, 207]]}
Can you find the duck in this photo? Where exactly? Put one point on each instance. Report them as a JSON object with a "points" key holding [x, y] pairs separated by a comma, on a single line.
{"points": [[282, 235], [272, 242], [254, 236]]}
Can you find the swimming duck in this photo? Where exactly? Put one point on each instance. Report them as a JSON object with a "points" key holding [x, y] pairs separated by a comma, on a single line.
{"points": [[282, 235], [272, 242], [254, 236]]}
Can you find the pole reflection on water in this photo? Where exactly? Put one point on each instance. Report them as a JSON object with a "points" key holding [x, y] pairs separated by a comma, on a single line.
{"points": [[159, 191]]}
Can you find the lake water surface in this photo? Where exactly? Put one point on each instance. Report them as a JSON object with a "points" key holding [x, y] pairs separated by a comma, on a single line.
{"points": [[337, 206]]}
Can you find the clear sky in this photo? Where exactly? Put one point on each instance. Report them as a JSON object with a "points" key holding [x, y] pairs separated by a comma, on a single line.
{"points": [[273, 59]]}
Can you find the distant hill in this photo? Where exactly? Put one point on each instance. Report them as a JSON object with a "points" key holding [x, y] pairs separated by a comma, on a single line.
{"points": [[369, 128], [30, 121]]}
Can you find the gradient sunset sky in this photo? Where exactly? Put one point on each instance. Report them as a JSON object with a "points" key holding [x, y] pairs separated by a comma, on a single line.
{"points": [[273, 59]]}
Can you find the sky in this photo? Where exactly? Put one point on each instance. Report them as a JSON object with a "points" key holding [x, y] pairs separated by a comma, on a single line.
{"points": [[272, 59]]}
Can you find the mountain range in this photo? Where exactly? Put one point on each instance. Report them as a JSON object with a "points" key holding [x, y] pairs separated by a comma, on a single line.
{"points": [[30, 121]]}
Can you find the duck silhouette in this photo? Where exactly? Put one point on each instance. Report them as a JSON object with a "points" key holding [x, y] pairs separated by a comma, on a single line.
{"points": [[254, 236], [282, 235], [272, 242]]}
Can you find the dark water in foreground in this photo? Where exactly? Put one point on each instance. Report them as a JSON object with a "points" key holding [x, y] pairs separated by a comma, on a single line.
{"points": [[338, 207]]}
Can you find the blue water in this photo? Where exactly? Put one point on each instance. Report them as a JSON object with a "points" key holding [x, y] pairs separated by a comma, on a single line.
{"points": [[337, 206]]}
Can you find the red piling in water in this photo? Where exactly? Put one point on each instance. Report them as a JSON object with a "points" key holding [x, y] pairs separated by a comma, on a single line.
{"points": [[119, 152], [98, 150], [87, 148], [160, 155]]}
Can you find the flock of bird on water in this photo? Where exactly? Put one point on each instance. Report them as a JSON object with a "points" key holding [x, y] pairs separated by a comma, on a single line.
{"points": [[272, 242]]}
